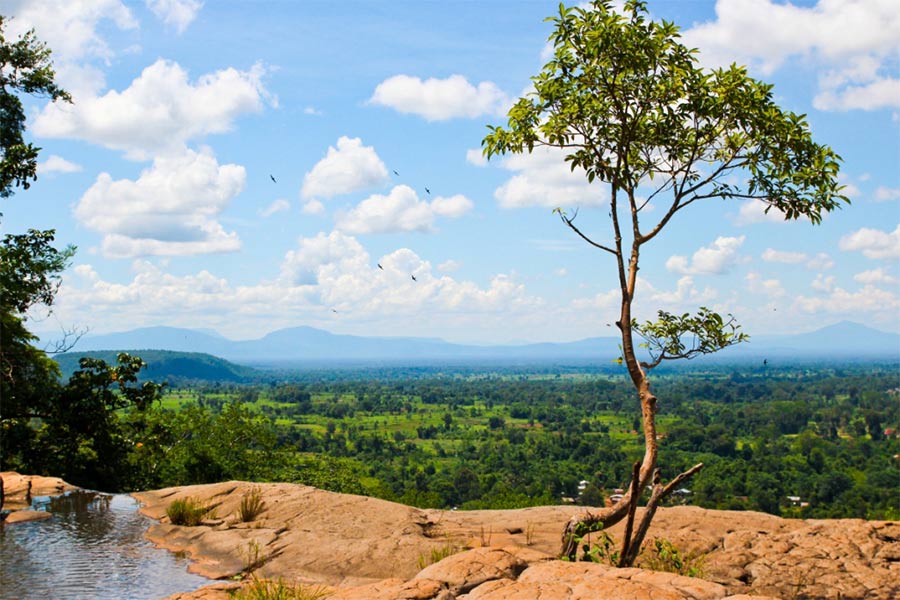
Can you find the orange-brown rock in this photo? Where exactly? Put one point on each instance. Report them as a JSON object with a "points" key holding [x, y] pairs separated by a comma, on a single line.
{"points": [[18, 490], [372, 549]]}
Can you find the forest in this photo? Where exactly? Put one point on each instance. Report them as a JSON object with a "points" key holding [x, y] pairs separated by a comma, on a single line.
{"points": [[805, 441]]}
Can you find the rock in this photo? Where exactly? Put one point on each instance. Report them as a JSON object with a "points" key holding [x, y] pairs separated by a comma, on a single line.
{"points": [[370, 549], [25, 516]]}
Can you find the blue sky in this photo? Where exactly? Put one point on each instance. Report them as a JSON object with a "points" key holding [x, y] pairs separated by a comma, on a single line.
{"points": [[161, 172]]}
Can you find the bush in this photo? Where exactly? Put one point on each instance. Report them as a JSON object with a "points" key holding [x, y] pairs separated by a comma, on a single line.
{"points": [[267, 589], [251, 506], [666, 557], [188, 511]]}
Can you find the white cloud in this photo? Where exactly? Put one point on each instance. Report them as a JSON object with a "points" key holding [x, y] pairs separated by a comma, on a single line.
{"points": [[312, 110], [177, 13], [69, 27], [880, 306], [476, 157], [883, 194], [820, 262], [790, 258], [449, 266], [712, 260], [57, 164], [348, 168], [769, 287], [440, 99], [823, 283], [278, 205], [544, 178], [169, 210], [874, 276], [873, 243], [856, 42], [313, 207], [401, 210], [160, 111], [754, 211]]}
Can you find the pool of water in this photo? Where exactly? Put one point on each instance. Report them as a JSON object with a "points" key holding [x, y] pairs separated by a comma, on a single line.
{"points": [[94, 548]]}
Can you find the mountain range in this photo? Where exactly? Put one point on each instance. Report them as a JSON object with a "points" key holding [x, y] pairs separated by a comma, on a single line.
{"points": [[845, 340]]}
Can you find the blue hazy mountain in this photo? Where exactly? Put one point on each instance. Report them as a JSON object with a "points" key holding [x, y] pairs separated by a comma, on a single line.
{"points": [[308, 344]]}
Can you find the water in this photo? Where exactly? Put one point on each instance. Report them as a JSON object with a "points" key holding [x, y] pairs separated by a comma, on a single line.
{"points": [[92, 548]]}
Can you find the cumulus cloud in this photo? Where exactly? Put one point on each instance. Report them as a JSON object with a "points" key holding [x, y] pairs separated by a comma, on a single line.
{"points": [[160, 111], [855, 43], [440, 99], [754, 211], [278, 205], [821, 261], [176, 13], [69, 28], [313, 207], [57, 164], [873, 243], [476, 157], [544, 178], [449, 266], [170, 209], [715, 259], [769, 287], [347, 168], [880, 306], [883, 194], [401, 210], [875, 276]]}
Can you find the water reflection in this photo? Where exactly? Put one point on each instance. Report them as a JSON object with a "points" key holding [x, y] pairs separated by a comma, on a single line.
{"points": [[93, 547]]}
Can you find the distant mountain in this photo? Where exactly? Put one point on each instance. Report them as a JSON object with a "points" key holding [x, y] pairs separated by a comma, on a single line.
{"points": [[307, 344], [165, 365]]}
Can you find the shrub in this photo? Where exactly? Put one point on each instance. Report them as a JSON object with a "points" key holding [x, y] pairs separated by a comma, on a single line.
{"points": [[664, 556], [187, 511], [437, 554], [267, 589], [251, 506]]}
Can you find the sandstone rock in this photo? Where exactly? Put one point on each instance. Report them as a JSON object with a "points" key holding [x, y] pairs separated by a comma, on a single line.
{"points": [[369, 549], [25, 515]]}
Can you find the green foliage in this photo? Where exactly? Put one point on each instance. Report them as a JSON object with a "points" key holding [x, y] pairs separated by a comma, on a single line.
{"points": [[594, 548], [251, 505], [437, 554], [268, 589], [189, 512], [24, 68], [674, 337], [664, 556], [629, 103]]}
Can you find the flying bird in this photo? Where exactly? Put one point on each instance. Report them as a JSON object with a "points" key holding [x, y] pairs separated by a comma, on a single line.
{"points": [[428, 191], [380, 267], [396, 173], [333, 310], [765, 362], [272, 178], [413, 277]]}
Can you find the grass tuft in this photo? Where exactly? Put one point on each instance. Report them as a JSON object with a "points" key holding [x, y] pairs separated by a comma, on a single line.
{"points": [[251, 506], [187, 511], [278, 589]]}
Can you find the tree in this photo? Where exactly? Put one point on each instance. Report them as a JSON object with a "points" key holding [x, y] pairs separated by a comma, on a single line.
{"points": [[630, 106], [24, 68]]}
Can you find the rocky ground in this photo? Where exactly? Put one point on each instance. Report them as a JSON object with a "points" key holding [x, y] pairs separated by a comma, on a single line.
{"points": [[364, 548], [16, 492]]}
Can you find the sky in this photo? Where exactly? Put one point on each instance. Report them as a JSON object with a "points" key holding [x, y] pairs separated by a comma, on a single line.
{"points": [[245, 166]]}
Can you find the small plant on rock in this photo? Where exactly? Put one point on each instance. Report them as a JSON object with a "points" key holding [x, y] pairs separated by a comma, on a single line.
{"points": [[268, 589], [187, 511], [666, 557], [251, 506]]}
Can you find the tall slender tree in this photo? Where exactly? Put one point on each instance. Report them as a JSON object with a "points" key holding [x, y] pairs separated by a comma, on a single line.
{"points": [[630, 106]]}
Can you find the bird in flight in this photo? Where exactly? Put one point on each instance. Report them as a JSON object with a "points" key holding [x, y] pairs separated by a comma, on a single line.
{"points": [[333, 310], [765, 362], [413, 277], [428, 191], [380, 267], [396, 173], [272, 177]]}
